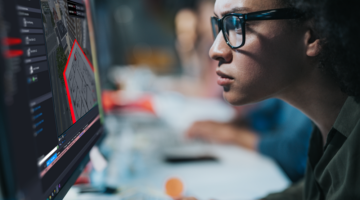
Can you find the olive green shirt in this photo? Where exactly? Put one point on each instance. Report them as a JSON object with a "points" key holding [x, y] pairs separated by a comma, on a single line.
{"points": [[333, 171]]}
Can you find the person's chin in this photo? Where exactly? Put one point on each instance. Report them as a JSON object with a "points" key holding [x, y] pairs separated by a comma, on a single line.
{"points": [[234, 97]]}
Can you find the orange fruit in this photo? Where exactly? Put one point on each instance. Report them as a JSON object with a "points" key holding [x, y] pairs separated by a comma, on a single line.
{"points": [[174, 187]]}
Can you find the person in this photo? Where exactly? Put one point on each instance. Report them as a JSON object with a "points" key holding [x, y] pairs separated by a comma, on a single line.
{"points": [[285, 140], [193, 41], [304, 52], [272, 127]]}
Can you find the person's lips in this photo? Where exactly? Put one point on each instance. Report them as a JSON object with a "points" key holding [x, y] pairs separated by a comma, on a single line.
{"points": [[224, 79]]}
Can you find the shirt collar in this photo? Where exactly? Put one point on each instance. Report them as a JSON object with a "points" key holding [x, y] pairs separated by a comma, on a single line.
{"points": [[348, 117]]}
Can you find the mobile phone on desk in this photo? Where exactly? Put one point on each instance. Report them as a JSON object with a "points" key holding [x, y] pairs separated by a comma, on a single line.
{"points": [[188, 154]]}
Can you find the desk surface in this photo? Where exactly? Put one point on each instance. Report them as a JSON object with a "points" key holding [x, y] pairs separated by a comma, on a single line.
{"points": [[238, 174], [136, 163]]}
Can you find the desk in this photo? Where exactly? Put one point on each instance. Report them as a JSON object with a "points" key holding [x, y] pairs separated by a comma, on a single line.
{"points": [[135, 147], [239, 174]]}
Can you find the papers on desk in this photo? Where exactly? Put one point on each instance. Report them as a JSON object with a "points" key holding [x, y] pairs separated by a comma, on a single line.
{"points": [[97, 159], [181, 112]]}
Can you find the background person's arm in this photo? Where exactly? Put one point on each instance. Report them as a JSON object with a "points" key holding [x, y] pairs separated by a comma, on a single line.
{"points": [[223, 133]]}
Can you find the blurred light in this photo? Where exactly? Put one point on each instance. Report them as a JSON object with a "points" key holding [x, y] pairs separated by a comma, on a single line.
{"points": [[123, 14], [11, 41], [141, 50], [13, 53], [174, 187]]}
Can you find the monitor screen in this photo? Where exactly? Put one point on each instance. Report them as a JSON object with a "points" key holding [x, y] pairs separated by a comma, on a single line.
{"points": [[50, 104]]}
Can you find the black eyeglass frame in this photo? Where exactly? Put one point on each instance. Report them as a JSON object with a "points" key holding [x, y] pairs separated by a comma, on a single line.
{"points": [[282, 13]]}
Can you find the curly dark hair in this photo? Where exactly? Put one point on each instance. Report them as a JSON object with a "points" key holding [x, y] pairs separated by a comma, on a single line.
{"points": [[336, 23]]}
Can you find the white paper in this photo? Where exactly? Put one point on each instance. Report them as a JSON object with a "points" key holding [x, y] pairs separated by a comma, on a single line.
{"points": [[97, 159]]}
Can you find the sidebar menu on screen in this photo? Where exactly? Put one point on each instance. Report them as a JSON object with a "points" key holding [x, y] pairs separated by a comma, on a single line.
{"points": [[28, 95], [36, 68]]}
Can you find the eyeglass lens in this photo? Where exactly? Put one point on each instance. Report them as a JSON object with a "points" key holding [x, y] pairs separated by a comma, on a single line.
{"points": [[215, 26], [233, 30]]}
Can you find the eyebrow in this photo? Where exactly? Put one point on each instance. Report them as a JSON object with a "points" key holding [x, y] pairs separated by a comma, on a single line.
{"points": [[234, 10]]}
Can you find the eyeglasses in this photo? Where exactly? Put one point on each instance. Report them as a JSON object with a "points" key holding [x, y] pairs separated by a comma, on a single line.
{"points": [[233, 25]]}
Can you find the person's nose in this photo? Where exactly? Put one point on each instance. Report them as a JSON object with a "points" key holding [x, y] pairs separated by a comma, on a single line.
{"points": [[220, 51]]}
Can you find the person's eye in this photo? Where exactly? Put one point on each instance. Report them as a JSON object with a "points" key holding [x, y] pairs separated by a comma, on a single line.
{"points": [[238, 31]]}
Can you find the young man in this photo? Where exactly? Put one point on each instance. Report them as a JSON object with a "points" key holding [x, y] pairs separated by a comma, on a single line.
{"points": [[307, 56]]}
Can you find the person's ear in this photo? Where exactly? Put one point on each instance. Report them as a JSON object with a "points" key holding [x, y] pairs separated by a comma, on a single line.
{"points": [[313, 46]]}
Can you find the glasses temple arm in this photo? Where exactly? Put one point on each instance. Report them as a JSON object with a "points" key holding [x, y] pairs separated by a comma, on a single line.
{"points": [[285, 13]]}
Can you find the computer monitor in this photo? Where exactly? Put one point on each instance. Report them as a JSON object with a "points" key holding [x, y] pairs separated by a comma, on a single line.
{"points": [[49, 117]]}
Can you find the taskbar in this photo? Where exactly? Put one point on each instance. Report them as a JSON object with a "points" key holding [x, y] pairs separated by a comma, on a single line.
{"points": [[55, 157]]}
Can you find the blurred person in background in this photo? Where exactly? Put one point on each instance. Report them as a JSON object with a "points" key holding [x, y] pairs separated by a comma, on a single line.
{"points": [[272, 128], [193, 41]]}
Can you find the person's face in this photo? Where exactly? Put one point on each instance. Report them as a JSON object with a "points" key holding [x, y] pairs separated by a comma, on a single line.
{"points": [[272, 60]]}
